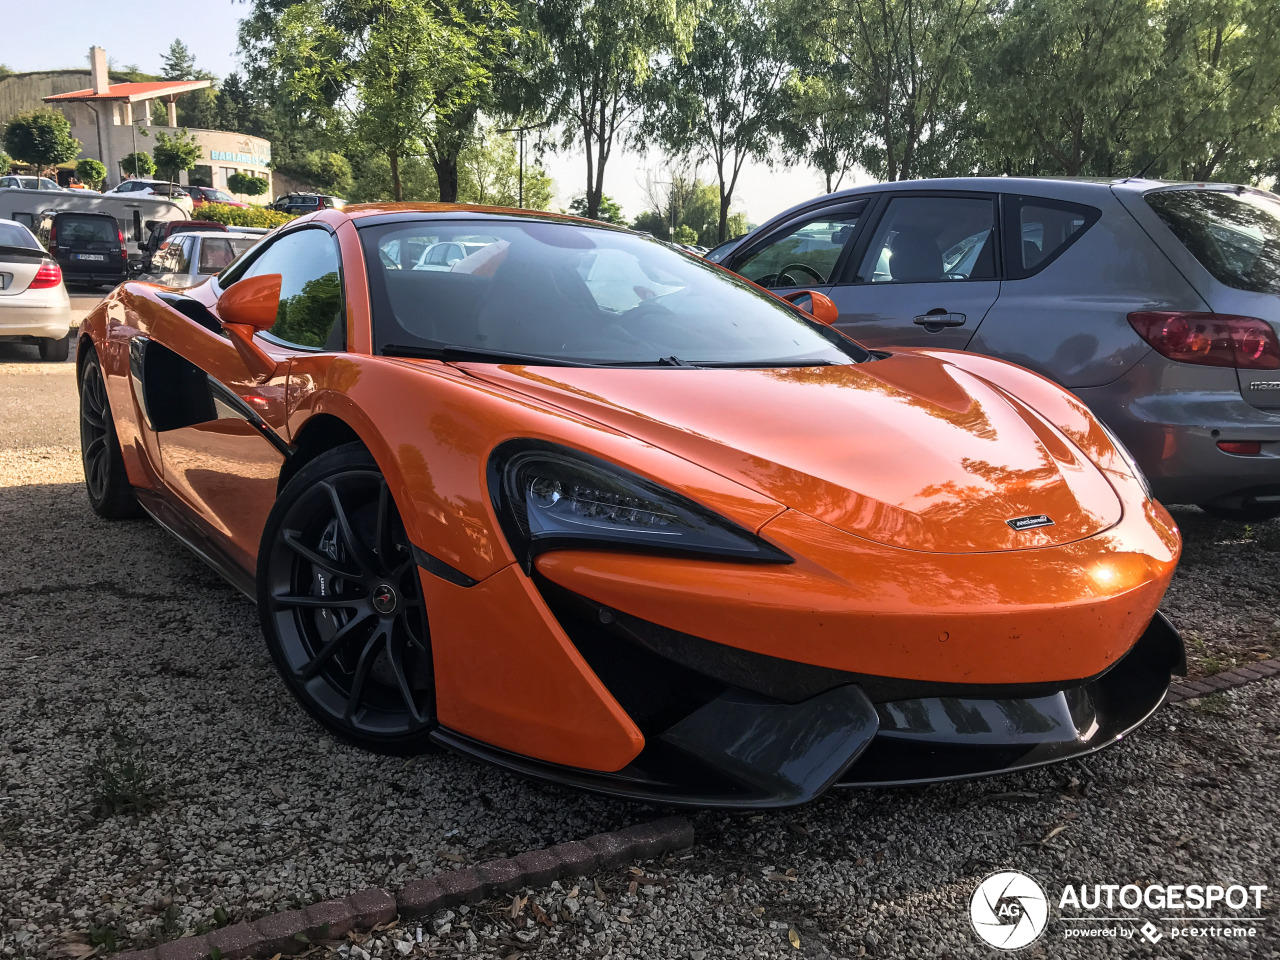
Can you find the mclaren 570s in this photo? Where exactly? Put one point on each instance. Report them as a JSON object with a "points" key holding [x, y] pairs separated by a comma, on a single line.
{"points": [[560, 497]]}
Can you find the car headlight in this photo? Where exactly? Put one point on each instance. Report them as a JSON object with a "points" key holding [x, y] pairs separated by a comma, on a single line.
{"points": [[1128, 458], [551, 497]]}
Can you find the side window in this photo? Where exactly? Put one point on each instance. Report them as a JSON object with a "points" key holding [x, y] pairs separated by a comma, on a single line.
{"points": [[311, 313], [216, 255], [161, 259], [805, 253], [932, 239], [182, 254], [1039, 230]]}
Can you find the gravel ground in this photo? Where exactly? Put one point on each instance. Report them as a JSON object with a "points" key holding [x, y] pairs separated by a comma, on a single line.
{"points": [[156, 779]]}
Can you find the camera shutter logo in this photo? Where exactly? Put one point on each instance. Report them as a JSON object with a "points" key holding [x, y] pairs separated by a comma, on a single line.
{"points": [[1009, 910]]}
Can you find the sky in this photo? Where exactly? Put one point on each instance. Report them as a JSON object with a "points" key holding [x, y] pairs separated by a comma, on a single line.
{"points": [[142, 30]]}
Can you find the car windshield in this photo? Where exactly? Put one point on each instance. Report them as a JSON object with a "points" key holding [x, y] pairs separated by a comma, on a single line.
{"points": [[1236, 237], [565, 292], [16, 235]]}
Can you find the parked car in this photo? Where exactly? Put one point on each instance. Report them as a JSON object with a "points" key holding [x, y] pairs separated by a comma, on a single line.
{"points": [[89, 247], [154, 188], [34, 306], [300, 203], [166, 229], [186, 259], [1155, 303], [22, 182], [702, 549], [202, 195]]}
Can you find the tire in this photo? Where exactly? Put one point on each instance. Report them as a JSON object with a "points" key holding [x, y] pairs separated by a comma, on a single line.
{"points": [[341, 605], [110, 493], [1248, 513], [55, 351]]}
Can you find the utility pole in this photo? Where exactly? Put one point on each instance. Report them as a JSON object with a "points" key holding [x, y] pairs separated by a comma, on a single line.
{"points": [[520, 133]]}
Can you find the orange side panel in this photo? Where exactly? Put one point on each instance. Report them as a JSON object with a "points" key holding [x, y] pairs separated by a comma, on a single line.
{"points": [[507, 674]]}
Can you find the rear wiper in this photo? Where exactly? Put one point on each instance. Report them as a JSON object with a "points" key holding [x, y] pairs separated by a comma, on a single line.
{"points": [[451, 352]]}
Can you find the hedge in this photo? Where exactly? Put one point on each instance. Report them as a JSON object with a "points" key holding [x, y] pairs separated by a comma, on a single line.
{"points": [[243, 216]]}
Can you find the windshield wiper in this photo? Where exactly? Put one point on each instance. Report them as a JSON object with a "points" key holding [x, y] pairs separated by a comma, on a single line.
{"points": [[452, 352], [783, 362]]}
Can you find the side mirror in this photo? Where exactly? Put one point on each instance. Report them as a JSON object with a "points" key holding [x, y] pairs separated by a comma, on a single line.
{"points": [[817, 305], [248, 306]]}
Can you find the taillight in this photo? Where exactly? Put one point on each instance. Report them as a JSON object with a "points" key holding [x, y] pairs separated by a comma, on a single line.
{"points": [[1210, 339], [49, 275], [53, 237], [124, 251], [1241, 448]]}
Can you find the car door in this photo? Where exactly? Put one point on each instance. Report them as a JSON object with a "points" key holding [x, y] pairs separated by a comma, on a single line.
{"points": [[226, 464], [805, 253], [925, 275]]}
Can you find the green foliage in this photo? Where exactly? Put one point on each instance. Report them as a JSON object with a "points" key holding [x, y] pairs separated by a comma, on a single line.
{"points": [[489, 173], [813, 128], [723, 103], [91, 172], [307, 316], [176, 153], [587, 64], [244, 216], [121, 779], [322, 170], [372, 179], [247, 184], [650, 221], [41, 138], [5, 71], [138, 164], [6, 162], [178, 63], [685, 234], [609, 210]]}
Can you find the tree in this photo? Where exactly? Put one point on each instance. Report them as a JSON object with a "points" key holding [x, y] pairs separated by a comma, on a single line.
{"points": [[723, 103], [41, 138], [813, 128], [137, 164], [177, 63], [6, 162], [900, 72], [588, 60], [91, 172], [489, 173], [609, 211], [685, 234], [404, 76], [247, 184], [176, 153], [321, 170]]}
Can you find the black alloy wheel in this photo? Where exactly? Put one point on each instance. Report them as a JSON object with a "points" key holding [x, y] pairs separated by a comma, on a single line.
{"points": [[105, 478], [342, 608]]}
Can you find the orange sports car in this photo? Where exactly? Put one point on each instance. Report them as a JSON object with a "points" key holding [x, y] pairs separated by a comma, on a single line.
{"points": [[557, 496]]}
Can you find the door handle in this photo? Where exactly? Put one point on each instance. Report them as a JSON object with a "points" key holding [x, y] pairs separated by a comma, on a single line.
{"points": [[940, 319]]}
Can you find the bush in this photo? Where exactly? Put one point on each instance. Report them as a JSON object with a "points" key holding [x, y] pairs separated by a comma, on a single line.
{"points": [[41, 138], [91, 172], [243, 216], [247, 184], [138, 164]]}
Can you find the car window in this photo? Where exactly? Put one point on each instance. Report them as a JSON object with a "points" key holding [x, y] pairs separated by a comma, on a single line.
{"points": [[1236, 237], [218, 253], [580, 294], [14, 235], [1039, 230], [931, 239], [311, 305], [804, 254], [75, 230]]}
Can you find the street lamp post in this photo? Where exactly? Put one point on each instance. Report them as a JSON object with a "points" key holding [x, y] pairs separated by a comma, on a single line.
{"points": [[520, 132]]}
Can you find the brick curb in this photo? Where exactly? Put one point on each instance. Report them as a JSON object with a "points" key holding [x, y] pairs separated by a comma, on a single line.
{"points": [[293, 931], [1226, 680]]}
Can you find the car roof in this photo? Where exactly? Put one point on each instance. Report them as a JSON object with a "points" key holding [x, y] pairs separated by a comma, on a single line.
{"points": [[360, 211]]}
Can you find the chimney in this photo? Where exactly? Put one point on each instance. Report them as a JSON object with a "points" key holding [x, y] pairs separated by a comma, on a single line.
{"points": [[98, 68]]}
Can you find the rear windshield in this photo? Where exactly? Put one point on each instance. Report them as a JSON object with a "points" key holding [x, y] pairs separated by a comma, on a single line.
{"points": [[12, 235], [1236, 237], [218, 253], [87, 230]]}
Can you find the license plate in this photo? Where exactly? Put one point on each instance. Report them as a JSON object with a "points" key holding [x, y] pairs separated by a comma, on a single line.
{"points": [[100, 257]]}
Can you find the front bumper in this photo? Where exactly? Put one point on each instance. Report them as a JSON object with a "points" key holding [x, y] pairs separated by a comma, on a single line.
{"points": [[730, 728]]}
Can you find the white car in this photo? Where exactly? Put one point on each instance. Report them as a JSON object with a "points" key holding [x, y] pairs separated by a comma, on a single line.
{"points": [[21, 182], [186, 259], [34, 306], [442, 256], [154, 188]]}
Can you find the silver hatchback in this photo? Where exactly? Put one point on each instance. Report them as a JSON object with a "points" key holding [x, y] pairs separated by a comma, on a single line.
{"points": [[1157, 304]]}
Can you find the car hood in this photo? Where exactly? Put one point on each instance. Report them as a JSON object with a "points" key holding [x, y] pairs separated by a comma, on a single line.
{"points": [[909, 450]]}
